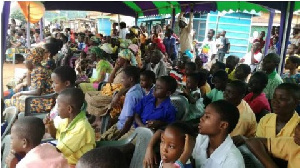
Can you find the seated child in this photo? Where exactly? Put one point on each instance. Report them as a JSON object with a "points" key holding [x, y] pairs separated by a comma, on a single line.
{"points": [[214, 146], [256, 98], [292, 64], [242, 72], [81, 64], [155, 111], [74, 134], [103, 157], [214, 68], [192, 93], [270, 63], [286, 148], [203, 85], [220, 81], [234, 93], [172, 141], [26, 136], [283, 121], [158, 66], [147, 81], [131, 82], [231, 63]]}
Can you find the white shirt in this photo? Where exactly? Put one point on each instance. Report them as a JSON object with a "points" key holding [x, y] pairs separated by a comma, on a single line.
{"points": [[226, 155], [209, 48], [123, 33], [247, 59]]}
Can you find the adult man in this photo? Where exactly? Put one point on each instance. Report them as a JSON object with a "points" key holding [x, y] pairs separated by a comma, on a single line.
{"points": [[253, 57], [186, 33], [224, 47], [208, 50]]}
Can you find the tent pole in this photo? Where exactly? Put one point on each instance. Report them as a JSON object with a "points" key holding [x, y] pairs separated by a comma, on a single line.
{"points": [[41, 29], [136, 19], [173, 17], [119, 22], [28, 27], [271, 17]]}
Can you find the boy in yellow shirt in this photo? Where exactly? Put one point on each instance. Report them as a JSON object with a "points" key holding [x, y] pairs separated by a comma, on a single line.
{"points": [[287, 148], [74, 133]]}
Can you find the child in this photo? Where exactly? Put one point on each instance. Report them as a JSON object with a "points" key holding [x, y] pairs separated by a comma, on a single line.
{"points": [[214, 68], [147, 81], [158, 66], [231, 62], [256, 98], [63, 77], [74, 134], [270, 63], [131, 82], [81, 64], [242, 72], [214, 146], [155, 111], [192, 93], [292, 64], [286, 148], [103, 157], [26, 136], [203, 85], [284, 119], [190, 67], [220, 79]]}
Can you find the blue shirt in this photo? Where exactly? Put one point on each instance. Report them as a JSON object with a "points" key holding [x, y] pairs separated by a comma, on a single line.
{"points": [[170, 44], [132, 97], [148, 111]]}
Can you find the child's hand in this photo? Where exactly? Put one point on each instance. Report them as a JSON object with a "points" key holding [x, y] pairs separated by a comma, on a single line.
{"points": [[186, 91], [47, 120], [150, 158], [155, 124], [17, 95], [11, 160]]}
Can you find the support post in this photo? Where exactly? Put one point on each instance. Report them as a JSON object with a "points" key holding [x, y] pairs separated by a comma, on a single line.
{"points": [[119, 22], [136, 19], [271, 17], [41, 29], [173, 18], [28, 27]]}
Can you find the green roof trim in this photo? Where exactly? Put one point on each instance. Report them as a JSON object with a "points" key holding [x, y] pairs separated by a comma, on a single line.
{"points": [[239, 5], [135, 7], [297, 6]]}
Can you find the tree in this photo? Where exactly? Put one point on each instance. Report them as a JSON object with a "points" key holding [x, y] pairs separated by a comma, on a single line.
{"points": [[17, 14]]}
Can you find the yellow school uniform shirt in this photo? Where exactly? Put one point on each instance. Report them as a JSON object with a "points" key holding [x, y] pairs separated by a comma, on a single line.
{"points": [[75, 139], [205, 89], [285, 148], [246, 125], [267, 126], [231, 75]]}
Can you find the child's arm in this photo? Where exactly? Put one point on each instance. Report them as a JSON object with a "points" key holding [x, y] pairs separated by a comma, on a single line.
{"points": [[192, 99], [188, 149], [150, 158], [138, 121], [50, 128], [258, 147], [125, 129], [206, 100], [155, 124]]}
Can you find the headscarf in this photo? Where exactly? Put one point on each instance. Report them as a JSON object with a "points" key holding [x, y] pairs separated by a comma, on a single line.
{"points": [[124, 43], [134, 48], [36, 55], [95, 39], [128, 55], [106, 47], [95, 50]]}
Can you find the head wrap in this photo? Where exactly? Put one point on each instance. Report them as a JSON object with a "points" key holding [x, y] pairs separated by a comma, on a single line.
{"points": [[95, 39], [182, 18], [95, 50], [134, 30], [134, 48], [36, 55], [124, 43], [106, 47], [128, 55]]}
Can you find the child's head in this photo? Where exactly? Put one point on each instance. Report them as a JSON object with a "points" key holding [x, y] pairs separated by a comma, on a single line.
{"points": [[286, 98], [275, 40], [270, 62], [232, 61], [199, 63], [192, 81], [131, 76], [63, 77], [190, 67], [147, 78], [220, 79], [242, 71], [26, 133], [173, 140], [217, 66], [202, 75], [164, 87], [257, 82], [220, 117], [292, 63], [29, 65], [291, 49], [103, 157], [82, 55], [69, 102], [235, 91]]}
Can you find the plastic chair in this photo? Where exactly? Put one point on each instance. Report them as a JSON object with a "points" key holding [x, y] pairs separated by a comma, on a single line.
{"points": [[28, 100], [5, 149], [117, 143], [181, 104], [143, 138], [11, 114], [249, 158]]}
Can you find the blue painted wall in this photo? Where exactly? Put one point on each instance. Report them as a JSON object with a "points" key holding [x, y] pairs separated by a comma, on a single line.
{"points": [[104, 26]]}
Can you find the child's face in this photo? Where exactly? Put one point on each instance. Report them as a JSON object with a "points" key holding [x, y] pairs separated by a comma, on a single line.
{"points": [[161, 90], [289, 65], [126, 80], [17, 143], [214, 68], [290, 49], [219, 83], [297, 134], [255, 85], [171, 146], [268, 64], [63, 107], [145, 82], [188, 70], [209, 122], [230, 63], [240, 74], [283, 102], [191, 83], [57, 84], [232, 95]]}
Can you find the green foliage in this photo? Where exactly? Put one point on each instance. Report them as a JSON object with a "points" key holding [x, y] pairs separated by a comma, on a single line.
{"points": [[17, 14]]}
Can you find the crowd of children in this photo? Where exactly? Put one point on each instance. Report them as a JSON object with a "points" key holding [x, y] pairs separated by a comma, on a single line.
{"points": [[229, 104]]}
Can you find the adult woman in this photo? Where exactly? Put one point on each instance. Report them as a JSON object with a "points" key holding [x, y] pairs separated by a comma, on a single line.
{"points": [[102, 67], [40, 84]]}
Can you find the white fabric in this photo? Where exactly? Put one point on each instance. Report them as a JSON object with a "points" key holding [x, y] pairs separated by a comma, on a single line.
{"points": [[225, 156], [247, 60], [123, 33]]}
